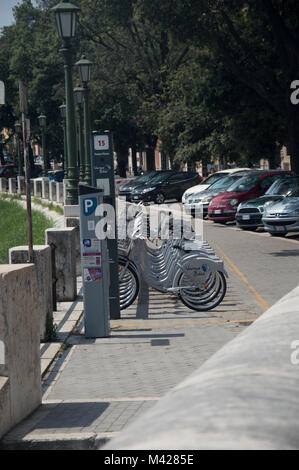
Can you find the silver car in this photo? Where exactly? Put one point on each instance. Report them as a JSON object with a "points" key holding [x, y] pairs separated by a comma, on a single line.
{"points": [[282, 217]]}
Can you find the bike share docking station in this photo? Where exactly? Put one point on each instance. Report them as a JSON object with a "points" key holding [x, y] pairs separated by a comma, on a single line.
{"points": [[99, 256]]}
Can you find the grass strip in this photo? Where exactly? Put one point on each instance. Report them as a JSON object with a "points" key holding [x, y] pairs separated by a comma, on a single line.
{"points": [[13, 227]]}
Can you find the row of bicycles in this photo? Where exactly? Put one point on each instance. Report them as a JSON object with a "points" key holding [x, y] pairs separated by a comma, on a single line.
{"points": [[185, 267]]}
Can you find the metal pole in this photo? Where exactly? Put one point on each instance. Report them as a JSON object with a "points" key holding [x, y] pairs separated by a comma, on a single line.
{"points": [[28, 192], [87, 136], [45, 159], [72, 188], [81, 143], [20, 163], [65, 165]]}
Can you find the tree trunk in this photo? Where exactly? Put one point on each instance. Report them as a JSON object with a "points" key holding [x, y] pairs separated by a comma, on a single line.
{"points": [[163, 161], [134, 161], [150, 159], [293, 137]]}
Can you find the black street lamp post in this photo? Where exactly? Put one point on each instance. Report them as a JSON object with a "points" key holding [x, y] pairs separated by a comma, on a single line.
{"points": [[79, 96], [42, 121], [65, 14], [84, 67], [18, 129], [65, 162]]}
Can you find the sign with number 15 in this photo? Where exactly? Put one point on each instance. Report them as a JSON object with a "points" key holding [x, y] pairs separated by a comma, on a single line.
{"points": [[101, 142]]}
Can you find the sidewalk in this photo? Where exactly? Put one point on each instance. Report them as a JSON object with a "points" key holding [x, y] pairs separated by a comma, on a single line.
{"points": [[66, 318], [94, 388]]}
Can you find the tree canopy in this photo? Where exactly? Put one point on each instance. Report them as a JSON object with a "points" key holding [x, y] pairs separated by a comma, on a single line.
{"points": [[208, 78]]}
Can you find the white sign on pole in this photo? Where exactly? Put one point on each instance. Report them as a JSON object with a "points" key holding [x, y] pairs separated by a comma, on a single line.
{"points": [[2, 93]]}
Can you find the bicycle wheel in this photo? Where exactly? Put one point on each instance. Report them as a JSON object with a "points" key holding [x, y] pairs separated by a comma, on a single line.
{"points": [[128, 285], [203, 298]]}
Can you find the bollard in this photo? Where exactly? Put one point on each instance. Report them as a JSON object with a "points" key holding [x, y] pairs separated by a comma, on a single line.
{"points": [[64, 241], [3, 185], [42, 261], [75, 222], [12, 185], [52, 190], [45, 188], [20, 374], [21, 184], [37, 188], [59, 193]]}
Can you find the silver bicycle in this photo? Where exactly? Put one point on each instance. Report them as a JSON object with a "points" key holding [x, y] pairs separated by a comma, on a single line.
{"points": [[186, 268]]}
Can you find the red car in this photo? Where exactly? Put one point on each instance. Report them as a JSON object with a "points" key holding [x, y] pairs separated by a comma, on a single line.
{"points": [[8, 171], [223, 208]]}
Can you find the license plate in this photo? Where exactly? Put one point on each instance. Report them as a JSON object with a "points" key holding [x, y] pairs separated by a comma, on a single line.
{"points": [[218, 211], [135, 197], [280, 229], [245, 217]]}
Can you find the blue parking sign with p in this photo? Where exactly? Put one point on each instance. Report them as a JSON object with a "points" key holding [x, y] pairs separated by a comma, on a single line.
{"points": [[89, 205]]}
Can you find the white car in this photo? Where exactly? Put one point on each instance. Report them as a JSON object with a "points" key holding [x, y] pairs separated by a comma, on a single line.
{"points": [[208, 181]]}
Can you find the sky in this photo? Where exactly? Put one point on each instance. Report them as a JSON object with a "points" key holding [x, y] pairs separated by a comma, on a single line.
{"points": [[6, 14]]}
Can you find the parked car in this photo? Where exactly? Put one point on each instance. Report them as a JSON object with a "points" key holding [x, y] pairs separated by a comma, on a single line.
{"points": [[223, 208], [165, 185], [8, 171], [282, 217], [56, 175], [249, 214], [207, 182], [202, 199], [125, 190]]}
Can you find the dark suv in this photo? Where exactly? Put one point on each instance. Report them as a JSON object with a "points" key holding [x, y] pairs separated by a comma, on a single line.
{"points": [[167, 185], [126, 189], [8, 171]]}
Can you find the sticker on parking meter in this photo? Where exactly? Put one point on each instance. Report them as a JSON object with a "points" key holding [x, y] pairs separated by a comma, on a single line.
{"points": [[91, 259], [91, 225], [101, 142], [92, 274]]}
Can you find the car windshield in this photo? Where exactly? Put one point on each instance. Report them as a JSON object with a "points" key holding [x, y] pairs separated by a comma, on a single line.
{"points": [[2, 171], [213, 178], [247, 183], [159, 178], [225, 182], [293, 193], [282, 186], [145, 177]]}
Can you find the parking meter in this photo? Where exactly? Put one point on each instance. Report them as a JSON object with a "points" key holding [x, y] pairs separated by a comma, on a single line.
{"points": [[95, 266], [102, 169]]}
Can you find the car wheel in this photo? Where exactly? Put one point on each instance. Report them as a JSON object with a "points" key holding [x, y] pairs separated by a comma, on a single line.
{"points": [[278, 234], [160, 198]]}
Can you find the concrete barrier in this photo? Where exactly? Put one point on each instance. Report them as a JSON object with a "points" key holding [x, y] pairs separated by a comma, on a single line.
{"points": [[37, 184], [64, 241], [42, 261], [3, 185], [59, 193], [244, 397], [75, 222], [45, 188], [52, 191], [21, 184], [20, 372], [12, 185]]}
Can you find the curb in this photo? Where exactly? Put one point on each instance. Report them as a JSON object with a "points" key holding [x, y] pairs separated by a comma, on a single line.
{"points": [[88, 441]]}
